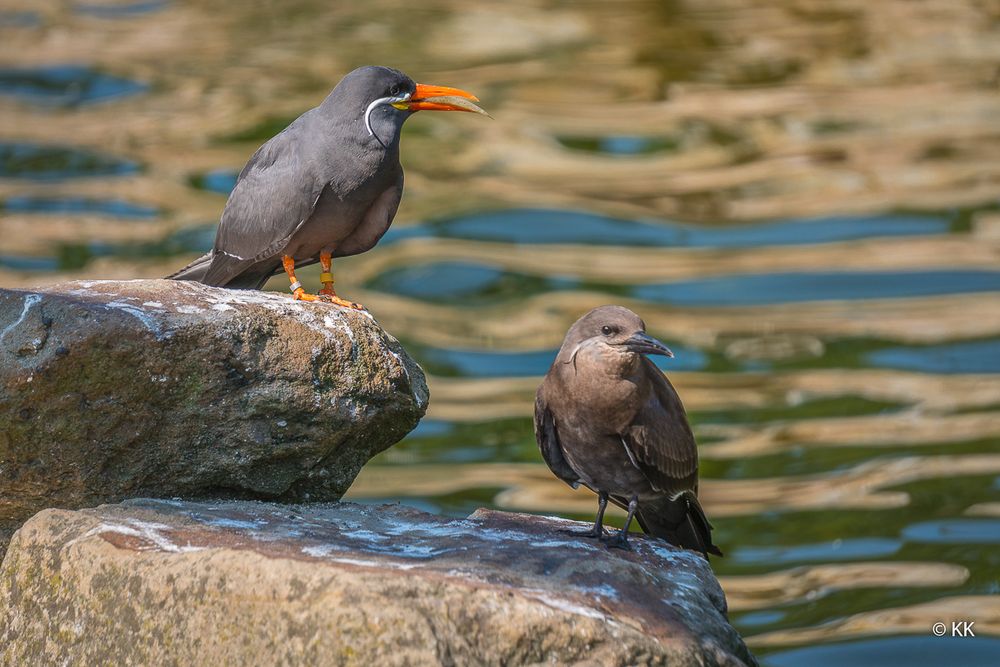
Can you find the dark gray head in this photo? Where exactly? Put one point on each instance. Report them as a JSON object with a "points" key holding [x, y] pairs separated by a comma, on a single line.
{"points": [[616, 327], [375, 102]]}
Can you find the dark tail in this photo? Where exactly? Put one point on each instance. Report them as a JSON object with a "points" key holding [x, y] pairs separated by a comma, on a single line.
{"points": [[195, 271], [680, 521], [247, 277]]}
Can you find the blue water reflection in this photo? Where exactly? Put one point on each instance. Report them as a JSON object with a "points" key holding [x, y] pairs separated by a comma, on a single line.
{"points": [[968, 357], [554, 226], [773, 288], [431, 427], [51, 163], [218, 180], [835, 550], [535, 363], [916, 650], [757, 618], [465, 283], [112, 208], [954, 531], [477, 283], [65, 85], [19, 19], [26, 263], [119, 10]]}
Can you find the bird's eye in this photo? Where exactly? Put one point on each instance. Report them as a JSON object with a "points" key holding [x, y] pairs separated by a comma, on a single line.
{"points": [[607, 331], [394, 91]]}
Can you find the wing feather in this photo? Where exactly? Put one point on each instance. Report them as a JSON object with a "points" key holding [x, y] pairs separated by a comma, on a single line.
{"points": [[660, 439], [548, 443], [274, 194]]}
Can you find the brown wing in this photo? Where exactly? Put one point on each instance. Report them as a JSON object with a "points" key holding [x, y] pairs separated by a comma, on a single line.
{"points": [[548, 443], [661, 444], [660, 440]]}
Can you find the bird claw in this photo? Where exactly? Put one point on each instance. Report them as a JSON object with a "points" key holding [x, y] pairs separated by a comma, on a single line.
{"points": [[301, 295], [619, 542], [330, 297], [590, 534]]}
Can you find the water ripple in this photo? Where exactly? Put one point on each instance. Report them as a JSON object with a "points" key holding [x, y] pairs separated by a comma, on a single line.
{"points": [[546, 226], [749, 290], [66, 85], [40, 162]]}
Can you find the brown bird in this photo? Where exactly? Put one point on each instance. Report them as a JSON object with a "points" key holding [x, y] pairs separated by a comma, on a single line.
{"points": [[607, 418], [327, 186]]}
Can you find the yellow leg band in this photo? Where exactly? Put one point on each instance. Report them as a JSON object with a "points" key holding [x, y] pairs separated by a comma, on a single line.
{"points": [[326, 277]]}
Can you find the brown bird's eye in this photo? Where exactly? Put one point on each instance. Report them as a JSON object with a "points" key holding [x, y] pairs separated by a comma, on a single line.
{"points": [[606, 330]]}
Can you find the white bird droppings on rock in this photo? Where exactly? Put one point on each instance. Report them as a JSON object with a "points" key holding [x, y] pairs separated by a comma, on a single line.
{"points": [[29, 301], [258, 359], [327, 566], [148, 320]]}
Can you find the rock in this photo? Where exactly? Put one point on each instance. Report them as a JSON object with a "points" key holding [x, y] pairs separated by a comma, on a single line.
{"points": [[116, 389], [170, 582]]}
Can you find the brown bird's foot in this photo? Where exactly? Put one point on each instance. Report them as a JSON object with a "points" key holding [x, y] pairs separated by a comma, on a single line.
{"points": [[597, 531], [619, 541], [593, 533]]}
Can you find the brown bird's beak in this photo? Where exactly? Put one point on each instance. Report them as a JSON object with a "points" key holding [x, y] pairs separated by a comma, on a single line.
{"points": [[642, 343], [441, 98]]}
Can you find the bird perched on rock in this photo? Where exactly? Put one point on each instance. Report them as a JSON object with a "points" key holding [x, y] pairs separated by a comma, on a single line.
{"points": [[607, 418], [327, 186]]}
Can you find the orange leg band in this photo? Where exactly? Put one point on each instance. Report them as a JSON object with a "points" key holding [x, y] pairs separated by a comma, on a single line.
{"points": [[298, 292]]}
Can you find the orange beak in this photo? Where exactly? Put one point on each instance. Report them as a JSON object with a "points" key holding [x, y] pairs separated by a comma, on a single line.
{"points": [[442, 98]]}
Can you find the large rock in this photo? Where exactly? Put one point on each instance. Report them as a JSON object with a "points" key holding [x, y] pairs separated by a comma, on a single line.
{"points": [[120, 389], [243, 583]]}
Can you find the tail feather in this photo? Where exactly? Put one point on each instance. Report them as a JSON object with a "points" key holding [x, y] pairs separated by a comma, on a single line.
{"points": [[251, 277], [680, 521], [195, 271]]}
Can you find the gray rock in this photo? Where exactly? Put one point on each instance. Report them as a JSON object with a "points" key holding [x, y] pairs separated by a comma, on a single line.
{"points": [[116, 389], [244, 583]]}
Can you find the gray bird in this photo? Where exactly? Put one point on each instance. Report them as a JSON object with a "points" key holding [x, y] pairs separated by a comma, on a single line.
{"points": [[607, 418], [327, 186]]}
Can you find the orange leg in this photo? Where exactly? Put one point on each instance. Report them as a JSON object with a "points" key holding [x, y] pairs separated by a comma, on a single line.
{"points": [[298, 292], [327, 293]]}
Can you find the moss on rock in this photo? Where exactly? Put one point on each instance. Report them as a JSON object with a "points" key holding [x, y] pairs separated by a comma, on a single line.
{"points": [[112, 389]]}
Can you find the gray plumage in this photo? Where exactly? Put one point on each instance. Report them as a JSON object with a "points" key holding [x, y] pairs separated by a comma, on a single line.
{"points": [[607, 418], [327, 182]]}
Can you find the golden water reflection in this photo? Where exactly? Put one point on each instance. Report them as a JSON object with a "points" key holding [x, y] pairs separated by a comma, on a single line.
{"points": [[915, 619], [850, 437], [530, 487]]}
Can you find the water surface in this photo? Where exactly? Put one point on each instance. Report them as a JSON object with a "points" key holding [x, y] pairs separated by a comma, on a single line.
{"points": [[65, 85], [803, 204]]}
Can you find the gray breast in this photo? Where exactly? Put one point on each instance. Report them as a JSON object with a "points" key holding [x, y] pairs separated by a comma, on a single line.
{"points": [[333, 220]]}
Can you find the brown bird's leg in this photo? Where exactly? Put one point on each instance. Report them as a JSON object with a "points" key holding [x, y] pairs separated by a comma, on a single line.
{"points": [[327, 293], [620, 541], [597, 531], [298, 293]]}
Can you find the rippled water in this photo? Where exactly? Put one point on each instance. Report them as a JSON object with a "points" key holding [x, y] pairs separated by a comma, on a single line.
{"points": [[802, 198]]}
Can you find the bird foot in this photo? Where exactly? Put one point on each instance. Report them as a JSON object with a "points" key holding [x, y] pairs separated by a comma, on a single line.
{"points": [[301, 295], [331, 297], [619, 541], [590, 534]]}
